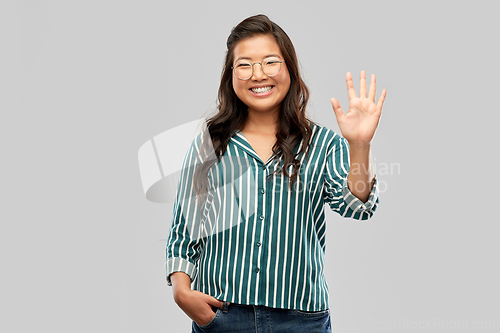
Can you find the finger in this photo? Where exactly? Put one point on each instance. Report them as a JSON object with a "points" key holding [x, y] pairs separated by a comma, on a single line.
{"points": [[215, 302], [350, 86], [381, 100], [362, 84], [337, 109], [373, 88]]}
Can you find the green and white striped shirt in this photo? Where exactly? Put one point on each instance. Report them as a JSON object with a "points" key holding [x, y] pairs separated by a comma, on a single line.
{"points": [[256, 242]]}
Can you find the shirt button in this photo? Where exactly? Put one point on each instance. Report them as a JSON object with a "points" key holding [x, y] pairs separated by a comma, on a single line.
{"points": [[261, 217], [263, 191], [257, 269], [259, 243]]}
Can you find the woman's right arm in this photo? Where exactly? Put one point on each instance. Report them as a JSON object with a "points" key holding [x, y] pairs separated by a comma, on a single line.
{"points": [[180, 282], [195, 304], [184, 247]]}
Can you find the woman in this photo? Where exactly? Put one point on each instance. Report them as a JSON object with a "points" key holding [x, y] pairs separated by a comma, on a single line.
{"points": [[249, 226]]}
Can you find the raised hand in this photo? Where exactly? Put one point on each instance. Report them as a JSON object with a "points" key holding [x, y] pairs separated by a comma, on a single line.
{"points": [[358, 125]]}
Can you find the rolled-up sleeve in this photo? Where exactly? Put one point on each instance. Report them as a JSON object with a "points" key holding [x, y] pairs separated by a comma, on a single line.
{"points": [[336, 193], [184, 245]]}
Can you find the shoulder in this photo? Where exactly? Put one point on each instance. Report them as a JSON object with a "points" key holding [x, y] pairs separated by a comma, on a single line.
{"points": [[201, 148], [325, 137], [192, 148], [199, 141]]}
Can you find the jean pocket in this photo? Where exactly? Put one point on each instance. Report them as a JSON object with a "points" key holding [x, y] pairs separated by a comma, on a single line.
{"points": [[211, 322], [319, 313]]}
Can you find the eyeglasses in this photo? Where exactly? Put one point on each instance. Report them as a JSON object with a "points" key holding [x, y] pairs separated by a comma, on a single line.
{"points": [[243, 69]]}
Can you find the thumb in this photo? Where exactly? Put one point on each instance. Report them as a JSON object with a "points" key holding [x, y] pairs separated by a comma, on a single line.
{"points": [[337, 108]]}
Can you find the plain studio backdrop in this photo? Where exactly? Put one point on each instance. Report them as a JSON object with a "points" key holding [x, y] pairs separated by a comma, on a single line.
{"points": [[85, 83]]}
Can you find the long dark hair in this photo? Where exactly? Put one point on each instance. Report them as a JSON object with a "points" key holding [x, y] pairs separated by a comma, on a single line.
{"points": [[293, 125]]}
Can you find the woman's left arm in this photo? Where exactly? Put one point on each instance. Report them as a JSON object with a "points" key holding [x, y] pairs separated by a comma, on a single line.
{"points": [[358, 127]]}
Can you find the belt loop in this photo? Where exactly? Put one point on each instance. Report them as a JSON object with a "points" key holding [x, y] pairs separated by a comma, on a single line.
{"points": [[225, 306]]}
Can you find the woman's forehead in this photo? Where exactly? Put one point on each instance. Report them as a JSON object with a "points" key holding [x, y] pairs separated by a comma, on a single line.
{"points": [[256, 47]]}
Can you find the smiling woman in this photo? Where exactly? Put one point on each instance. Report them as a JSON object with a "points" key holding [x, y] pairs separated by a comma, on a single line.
{"points": [[270, 121], [249, 225]]}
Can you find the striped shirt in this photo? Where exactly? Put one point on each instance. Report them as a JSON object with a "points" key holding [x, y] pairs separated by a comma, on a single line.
{"points": [[256, 242]]}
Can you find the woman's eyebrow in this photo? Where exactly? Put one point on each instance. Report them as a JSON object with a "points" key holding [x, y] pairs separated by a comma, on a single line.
{"points": [[269, 55]]}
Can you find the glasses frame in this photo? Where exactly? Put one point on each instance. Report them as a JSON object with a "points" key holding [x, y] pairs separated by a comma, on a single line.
{"points": [[261, 67]]}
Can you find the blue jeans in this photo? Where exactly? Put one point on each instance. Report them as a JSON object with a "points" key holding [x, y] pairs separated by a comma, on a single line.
{"points": [[258, 318]]}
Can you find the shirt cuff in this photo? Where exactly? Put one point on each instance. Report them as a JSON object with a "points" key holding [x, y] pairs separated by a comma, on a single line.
{"points": [[357, 205], [178, 264]]}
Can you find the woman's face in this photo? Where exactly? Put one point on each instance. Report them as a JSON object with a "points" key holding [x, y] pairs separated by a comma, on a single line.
{"points": [[256, 49]]}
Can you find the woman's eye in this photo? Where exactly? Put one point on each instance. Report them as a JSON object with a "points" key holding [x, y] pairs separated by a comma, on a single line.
{"points": [[243, 66]]}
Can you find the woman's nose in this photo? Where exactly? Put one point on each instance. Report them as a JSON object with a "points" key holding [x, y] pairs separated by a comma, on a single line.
{"points": [[258, 74]]}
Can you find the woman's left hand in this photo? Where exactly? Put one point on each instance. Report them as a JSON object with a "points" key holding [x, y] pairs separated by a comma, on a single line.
{"points": [[358, 125]]}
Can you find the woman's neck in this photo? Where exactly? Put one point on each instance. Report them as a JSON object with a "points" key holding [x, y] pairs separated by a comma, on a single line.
{"points": [[262, 122]]}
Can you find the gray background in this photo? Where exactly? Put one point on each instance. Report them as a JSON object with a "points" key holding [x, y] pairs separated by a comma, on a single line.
{"points": [[85, 83]]}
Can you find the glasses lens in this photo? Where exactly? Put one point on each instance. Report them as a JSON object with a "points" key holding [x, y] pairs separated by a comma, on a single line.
{"points": [[243, 69], [271, 66]]}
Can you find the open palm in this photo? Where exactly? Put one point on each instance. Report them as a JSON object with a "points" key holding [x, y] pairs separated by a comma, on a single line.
{"points": [[358, 125]]}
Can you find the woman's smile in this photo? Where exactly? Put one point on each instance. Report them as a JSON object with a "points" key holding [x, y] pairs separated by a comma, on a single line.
{"points": [[262, 91]]}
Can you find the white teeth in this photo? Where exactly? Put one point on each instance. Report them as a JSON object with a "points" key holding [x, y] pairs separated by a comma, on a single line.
{"points": [[262, 90]]}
